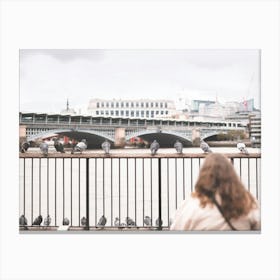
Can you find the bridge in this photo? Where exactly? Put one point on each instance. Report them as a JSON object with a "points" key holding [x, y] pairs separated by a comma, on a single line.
{"points": [[118, 131]]}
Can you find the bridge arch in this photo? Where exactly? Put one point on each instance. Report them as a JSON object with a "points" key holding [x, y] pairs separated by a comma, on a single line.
{"points": [[93, 137], [164, 137], [210, 134]]}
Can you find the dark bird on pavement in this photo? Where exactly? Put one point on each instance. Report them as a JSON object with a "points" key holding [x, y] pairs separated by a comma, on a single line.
{"points": [[242, 148], [66, 222], [147, 221], [205, 147], [84, 221], [37, 221], [178, 146], [130, 222], [58, 146], [154, 147], [158, 222], [24, 147], [23, 221], [102, 221], [44, 147], [80, 147], [47, 221], [106, 147]]}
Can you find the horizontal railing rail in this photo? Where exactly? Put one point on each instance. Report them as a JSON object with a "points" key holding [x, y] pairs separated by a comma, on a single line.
{"points": [[84, 187]]}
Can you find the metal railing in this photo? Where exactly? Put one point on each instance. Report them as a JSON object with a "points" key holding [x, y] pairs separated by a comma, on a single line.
{"points": [[147, 189]]}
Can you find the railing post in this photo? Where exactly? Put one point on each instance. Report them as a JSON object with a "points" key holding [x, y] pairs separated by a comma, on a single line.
{"points": [[87, 193], [159, 195]]}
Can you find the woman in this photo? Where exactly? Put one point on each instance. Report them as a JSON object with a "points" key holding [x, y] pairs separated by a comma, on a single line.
{"points": [[220, 201]]}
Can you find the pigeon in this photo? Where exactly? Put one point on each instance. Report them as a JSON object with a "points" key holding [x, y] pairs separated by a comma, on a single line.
{"points": [[102, 221], [154, 147], [130, 222], [117, 222], [44, 147], [242, 148], [38, 221], [80, 147], [58, 146], [158, 224], [24, 147], [205, 147], [23, 221], [65, 222], [123, 224], [179, 147], [106, 147], [147, 221], [47, 221], [84, 221]]}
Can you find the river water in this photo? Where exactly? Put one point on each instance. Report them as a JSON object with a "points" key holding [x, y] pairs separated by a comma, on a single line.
{"points": [[118, 187]]}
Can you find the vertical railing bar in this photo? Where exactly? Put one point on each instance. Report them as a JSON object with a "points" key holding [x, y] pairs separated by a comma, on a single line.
{"points": [[63, 188], [120, 190], [199, 163], [143, 185], [159, 194], [32, 190], [71, 186], [87, 193], [167, 179], [184, 195], [127, 191], [257, 187], [135, 194], [151, 172], [39, 186], [176, 190], [191, 175], [111, 191], [249, 174], [240, 168], [103, 181], [95, 167], [48, 202], [79, 191], [55, 192], [24, 188]]}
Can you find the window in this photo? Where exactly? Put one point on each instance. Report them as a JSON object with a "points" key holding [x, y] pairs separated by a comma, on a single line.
{"points": [[137, 104], [127, 113], [122, 104], [161, 112], [117, 104], [132, 113], [112, 104], [97, 104], [152, 104], [152, 114], [166, 112], [127, 104], [102, 104], [97, 112], [102, 112], [142, 114], [147, 113], [122, 112], [165, 104], [142, 105], [161, 105], [107, 113], [147, 104], [157, 112], [132, 104], [116, 113], [137, 113], [112, 113], [107, 104], [156, 104]]}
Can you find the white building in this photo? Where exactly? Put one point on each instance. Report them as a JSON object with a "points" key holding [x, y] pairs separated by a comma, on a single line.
{"points": [[132, 108]]}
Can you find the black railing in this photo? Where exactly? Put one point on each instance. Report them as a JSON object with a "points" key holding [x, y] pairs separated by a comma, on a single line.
{"points": [[147, 189]]}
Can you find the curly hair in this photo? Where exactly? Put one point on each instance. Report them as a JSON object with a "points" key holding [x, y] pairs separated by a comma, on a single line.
{"points": [[217, 178]]}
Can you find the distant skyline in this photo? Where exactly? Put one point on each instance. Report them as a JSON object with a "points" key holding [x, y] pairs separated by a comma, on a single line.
{"points": [[49, 77]]}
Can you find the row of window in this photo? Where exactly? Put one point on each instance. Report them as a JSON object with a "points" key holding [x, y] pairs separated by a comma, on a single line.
{"points": [[128, 113], [131, 104]]}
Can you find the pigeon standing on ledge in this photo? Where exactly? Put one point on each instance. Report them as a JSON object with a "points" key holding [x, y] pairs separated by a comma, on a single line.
{"points": [[44, 147], [23, 221], [84, 221], [130, 222], [154, 147], [37, 221], [147, 221], [106, 147], [65, 222], [24, 147], [58, 146], [102, 221], [205, 147], [179, 147], [242, 148], [80, 147], [47, 221]]}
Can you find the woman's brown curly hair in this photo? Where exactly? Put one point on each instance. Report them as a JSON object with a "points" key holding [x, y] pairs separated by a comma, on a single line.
{"points": [[218, 177]]}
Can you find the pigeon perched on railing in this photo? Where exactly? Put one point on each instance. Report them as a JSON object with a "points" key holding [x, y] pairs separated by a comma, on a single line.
{"points": [[179, 147], [154, 147], [37, 221], [65, 222], [47, 221], [147, 221], [44, 147], [84, 221], [24, 147], [80, 147], [130, 222], [23, 221], [205, 147], [117, 222], [242, 148], [102, 221], [58, 146], [106, 147], [158, 222]]}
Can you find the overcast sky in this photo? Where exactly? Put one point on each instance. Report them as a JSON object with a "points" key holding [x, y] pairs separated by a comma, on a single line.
{"points": [[49, 77]]}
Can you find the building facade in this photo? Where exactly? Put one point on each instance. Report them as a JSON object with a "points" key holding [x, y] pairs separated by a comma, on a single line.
{"points": [[131, 108]]}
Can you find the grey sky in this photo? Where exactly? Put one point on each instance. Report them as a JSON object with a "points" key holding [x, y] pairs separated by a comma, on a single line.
{"points": [[49, 77]]}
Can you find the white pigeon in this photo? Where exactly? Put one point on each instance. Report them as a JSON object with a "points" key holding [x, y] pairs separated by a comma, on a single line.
{"points": [[154, 147], [179, 147], [47, 221], [106, 147], [242, 148], [205, 147], [80, 147]]}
